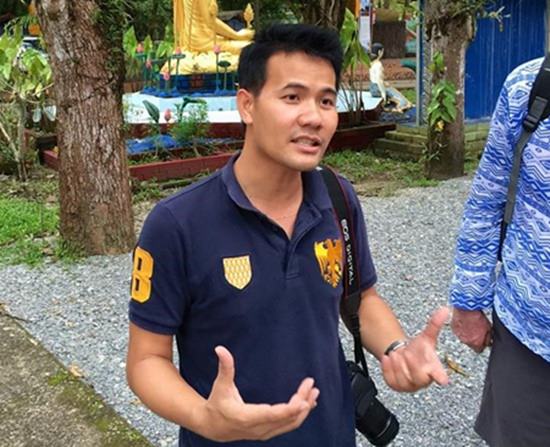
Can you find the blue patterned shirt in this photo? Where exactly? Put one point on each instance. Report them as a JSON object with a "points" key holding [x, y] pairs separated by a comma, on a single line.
{"points": [[520, 289]]}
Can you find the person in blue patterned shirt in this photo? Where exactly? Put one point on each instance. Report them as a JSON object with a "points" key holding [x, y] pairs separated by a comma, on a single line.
{"points": [[515, 407]]}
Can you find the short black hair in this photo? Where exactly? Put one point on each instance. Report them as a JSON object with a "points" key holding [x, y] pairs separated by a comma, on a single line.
{"points": [[287, 38], [375, 49]]}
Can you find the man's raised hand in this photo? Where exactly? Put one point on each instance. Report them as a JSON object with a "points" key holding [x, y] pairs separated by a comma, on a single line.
{"points": [[417, 365], [226, 417]]}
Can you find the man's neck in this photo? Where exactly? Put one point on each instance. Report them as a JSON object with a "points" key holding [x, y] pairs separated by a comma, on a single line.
{"points": [[275, 191], [266, 181]]}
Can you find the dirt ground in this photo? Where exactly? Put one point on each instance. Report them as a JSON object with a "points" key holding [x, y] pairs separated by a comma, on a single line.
{"points": [[43, 404]]}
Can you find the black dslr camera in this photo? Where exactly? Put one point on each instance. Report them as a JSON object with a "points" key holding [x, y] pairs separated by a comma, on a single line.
{"points": [[372, 419]]}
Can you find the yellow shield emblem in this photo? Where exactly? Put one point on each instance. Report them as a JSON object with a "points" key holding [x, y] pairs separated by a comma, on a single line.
{"points": [[237, 271], [329, 257]]}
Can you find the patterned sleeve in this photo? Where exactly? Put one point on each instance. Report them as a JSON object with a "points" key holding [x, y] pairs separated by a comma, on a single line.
{"points": [[473, 282]]}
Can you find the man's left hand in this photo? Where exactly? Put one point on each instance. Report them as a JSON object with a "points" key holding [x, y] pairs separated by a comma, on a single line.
{"points": [[417, 365]]}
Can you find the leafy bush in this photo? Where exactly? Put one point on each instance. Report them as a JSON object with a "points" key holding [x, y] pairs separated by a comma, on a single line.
{"points": [[25, 75], [193, 126]]}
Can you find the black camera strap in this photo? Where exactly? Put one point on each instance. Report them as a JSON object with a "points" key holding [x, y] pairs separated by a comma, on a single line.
{"points": [[539, 110], [351, 298]]}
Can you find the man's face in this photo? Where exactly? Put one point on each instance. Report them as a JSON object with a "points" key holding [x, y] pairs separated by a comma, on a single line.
{"points": [[291, 121]]}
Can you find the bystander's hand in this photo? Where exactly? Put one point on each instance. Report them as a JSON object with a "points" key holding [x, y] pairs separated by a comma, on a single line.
{"points": [[226, 417], [417, 365], [472, 328]]}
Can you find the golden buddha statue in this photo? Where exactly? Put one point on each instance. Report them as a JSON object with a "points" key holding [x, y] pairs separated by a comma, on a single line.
{"points": [[204, 39]]}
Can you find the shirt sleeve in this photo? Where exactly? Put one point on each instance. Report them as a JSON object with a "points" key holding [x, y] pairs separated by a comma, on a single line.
{"points": [[158, 293], [367, 271], [473, 283]]}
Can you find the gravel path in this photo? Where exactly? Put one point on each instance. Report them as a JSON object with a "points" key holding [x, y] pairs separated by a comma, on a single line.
{"points": [[80, 314]]}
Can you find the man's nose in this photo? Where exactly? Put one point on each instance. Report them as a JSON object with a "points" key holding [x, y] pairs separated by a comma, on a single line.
{"points": [[310, 115]]}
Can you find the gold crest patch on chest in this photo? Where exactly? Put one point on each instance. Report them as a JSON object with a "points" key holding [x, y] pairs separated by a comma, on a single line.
{"points": [[329, 257], [237, 271]]}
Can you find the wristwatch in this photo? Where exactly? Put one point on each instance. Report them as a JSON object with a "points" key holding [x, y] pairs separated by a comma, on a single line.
{"points": [[397, 344]]}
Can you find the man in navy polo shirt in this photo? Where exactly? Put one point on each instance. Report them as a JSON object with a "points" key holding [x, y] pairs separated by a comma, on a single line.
{"points": [[244, 268]]}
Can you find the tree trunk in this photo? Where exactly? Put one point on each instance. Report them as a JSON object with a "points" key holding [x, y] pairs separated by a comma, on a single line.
{"points": [[451, 37], [95, 199], [325, 13]]}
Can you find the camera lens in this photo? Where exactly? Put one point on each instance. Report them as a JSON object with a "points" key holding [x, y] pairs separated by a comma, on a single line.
{"points": [[372, 419], [377, 424]]}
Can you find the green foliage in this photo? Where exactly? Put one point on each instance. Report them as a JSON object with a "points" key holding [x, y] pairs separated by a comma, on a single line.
{"points": [[193, 126], [410, 94], [442, 106], [130, 45], [150, 18], [25, 75], [15, 7], [154, 117], [136, 53], [146, 190], [153, 111], [402, 8], [354, 55], [164, 49], [25, 230], [377, 176], [9, 150]]}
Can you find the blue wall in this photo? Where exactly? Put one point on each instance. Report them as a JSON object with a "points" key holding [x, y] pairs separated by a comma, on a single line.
{"points": [[494, 53]]}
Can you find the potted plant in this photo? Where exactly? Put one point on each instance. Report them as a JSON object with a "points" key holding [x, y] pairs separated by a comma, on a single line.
{"points": [[355, 129]]}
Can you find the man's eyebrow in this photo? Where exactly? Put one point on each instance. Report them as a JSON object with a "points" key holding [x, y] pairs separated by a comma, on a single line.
{"points": [[299, 86]]}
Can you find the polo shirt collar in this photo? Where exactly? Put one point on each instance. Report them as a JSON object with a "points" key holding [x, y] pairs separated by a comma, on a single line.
{"points": [[315, 191]]}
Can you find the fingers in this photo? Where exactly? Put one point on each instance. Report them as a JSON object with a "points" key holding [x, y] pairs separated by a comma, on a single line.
{"points": [[401, 376], [226, 366], [312, 399], [305, 399], [237, 420], [273, 420], [436, 322], [408, 371], [439, 375]]}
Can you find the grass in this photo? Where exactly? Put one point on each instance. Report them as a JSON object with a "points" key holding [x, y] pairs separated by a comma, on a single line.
{"points": [[27, 230], [30, 212], [77, 395], [410, 94], [375, 176], [154, 190]]}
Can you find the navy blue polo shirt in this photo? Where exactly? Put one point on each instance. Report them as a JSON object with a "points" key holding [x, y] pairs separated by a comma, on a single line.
{"points": [[213, 270]]}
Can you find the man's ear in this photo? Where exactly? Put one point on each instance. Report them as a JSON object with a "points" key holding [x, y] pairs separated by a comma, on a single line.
{"points": [[245, 105]]}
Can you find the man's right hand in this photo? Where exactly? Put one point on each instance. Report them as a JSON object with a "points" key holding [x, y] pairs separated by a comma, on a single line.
{"points": [[226, 417], [472, 328]]}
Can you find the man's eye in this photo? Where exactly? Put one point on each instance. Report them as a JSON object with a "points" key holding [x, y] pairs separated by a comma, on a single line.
{"points": [[291, 97], [328, 102]]}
